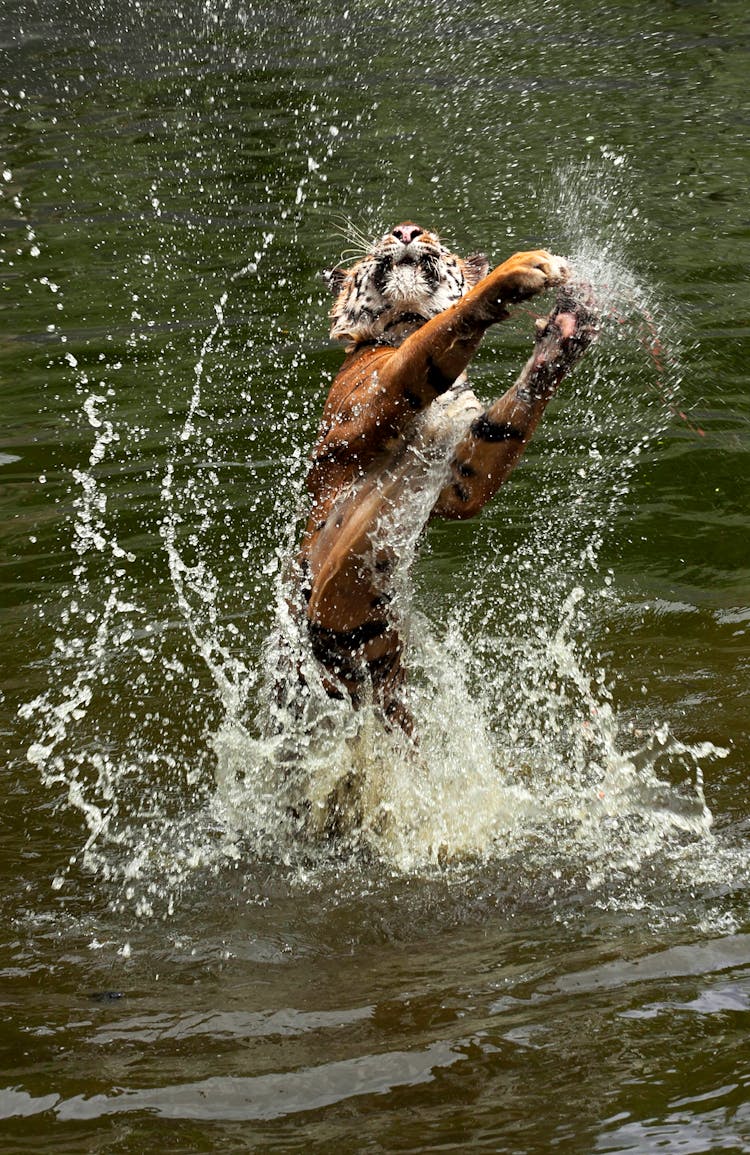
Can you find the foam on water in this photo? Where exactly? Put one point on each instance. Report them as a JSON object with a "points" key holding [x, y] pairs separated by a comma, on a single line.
{"points": [[521, 750]]}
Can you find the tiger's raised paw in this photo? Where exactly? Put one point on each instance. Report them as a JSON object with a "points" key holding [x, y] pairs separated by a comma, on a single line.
{"points": [[526, 274]]}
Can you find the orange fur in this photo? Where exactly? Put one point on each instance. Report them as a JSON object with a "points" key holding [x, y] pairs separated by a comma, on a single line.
{"points": [[398, 409]]}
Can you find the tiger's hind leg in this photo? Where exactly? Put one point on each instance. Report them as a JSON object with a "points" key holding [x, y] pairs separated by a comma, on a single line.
{"points": [[365, 664], [489, 452]]}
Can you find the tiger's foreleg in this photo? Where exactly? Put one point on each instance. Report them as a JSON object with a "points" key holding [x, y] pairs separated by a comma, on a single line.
{"points": [[496, 439], [432, 358], [380, 390]]}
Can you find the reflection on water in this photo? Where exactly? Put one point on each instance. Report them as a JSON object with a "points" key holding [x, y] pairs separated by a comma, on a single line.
{"points": [[531, 931]]}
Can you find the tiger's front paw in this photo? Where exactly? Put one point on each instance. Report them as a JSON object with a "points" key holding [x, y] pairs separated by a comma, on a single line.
{"points": [[527, 274]]}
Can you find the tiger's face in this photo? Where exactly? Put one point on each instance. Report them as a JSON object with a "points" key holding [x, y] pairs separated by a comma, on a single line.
{"points": [[405, 279]]}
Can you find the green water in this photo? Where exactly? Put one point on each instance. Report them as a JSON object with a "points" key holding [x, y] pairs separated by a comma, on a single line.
{"points": [[178, 976]]}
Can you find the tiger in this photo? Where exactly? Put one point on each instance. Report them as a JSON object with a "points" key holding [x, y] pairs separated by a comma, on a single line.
{"points": [[403, 439]]}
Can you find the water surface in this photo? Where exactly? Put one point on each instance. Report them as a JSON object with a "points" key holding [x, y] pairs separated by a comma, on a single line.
{"points": [[547, 944]]}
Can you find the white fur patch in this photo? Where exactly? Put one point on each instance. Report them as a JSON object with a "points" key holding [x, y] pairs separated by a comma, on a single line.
{"points": [[421, 279]]}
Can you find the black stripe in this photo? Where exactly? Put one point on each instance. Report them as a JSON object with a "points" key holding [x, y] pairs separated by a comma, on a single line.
{"points": [[341, 651], [436, 378], [406, 319], [485, 429], [345, 640], [429, 266], [382, 267]]}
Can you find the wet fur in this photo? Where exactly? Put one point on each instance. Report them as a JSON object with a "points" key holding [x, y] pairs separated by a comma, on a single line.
{"points": [[403, 438]]}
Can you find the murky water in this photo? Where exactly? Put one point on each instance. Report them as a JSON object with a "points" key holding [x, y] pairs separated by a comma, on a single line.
{"points": [[533, 933]]}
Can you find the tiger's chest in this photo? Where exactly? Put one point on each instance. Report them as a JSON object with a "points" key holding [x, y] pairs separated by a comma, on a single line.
{"points": [[400, 488], [373, 526], [446, 421]]}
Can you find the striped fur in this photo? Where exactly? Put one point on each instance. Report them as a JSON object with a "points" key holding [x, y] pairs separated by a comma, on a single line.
{"points": [[403, 438]]}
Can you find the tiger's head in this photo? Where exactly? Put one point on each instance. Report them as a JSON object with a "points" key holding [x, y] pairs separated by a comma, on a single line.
{"points": [[407, 277]]}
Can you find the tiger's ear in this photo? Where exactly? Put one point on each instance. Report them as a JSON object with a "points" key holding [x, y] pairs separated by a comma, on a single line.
{"points": [[475, 267], [334, 278]]}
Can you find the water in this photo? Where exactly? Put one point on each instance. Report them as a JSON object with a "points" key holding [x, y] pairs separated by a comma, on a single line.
{"points": [[532, 933]]}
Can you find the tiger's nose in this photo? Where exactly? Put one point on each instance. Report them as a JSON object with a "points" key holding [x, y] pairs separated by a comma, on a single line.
{"points": [[407, 233]]}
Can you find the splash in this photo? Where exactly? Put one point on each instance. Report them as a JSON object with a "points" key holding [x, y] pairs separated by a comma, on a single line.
{"points": [[519, 741], [593, 206], [521, 754]]}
